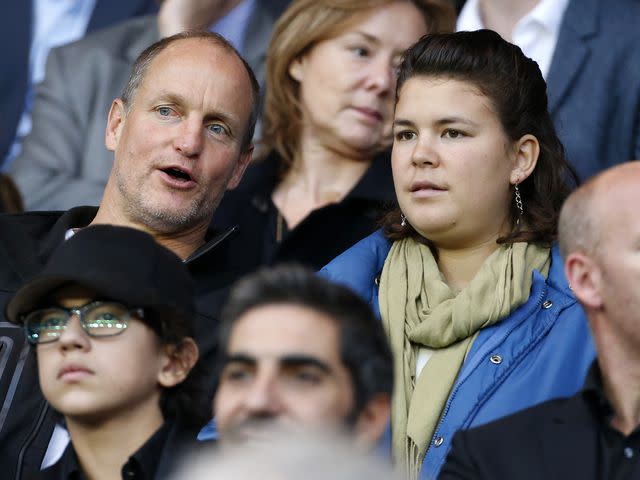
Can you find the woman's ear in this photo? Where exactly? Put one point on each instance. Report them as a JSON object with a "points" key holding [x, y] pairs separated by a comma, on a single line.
{"points": [[527, 150], [296, 69], [179, 360]]}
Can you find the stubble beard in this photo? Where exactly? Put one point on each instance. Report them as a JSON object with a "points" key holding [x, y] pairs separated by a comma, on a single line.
{"points": [[139, 208]]}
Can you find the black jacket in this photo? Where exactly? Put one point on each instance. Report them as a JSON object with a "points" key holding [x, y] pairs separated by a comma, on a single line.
{"points": [[26, 242], [555, 440], [322, 235]]}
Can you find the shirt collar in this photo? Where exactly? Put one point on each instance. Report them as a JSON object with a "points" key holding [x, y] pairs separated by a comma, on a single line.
{"points": [[144, 461], [146, 458], [469, 18], [67, 467], [548, 13]]}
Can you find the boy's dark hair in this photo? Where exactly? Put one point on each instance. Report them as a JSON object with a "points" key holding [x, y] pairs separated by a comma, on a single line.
{"points": [[190, 400], [364, 349]]}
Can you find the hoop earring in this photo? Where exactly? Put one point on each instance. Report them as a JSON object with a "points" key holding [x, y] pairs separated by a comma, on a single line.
{"points": [[403, 220], [518, 203]]}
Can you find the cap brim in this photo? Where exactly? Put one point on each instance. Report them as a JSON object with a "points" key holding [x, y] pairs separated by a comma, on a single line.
{"points": [[32, 295]]}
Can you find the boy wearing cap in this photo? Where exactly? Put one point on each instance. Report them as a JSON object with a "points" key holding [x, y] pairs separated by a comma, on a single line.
{"points": [[110, 318]]}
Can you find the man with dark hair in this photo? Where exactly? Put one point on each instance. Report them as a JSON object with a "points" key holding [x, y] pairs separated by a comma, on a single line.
{"points": [[179, 142], [298, 350], [115, 354], [596, 433]]}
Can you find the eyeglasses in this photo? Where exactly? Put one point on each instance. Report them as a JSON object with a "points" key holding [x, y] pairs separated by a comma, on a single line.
{"points": [[98, 319]]}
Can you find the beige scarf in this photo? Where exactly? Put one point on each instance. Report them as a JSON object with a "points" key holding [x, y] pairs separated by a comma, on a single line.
{"points": [[419, 309]]}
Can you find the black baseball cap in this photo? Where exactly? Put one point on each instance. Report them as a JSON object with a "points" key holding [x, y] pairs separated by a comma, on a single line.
{"points": [[121, 264]]}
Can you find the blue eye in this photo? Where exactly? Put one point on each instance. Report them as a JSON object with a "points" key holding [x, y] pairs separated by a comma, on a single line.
{"points": [[217, 129], [164, 111]]}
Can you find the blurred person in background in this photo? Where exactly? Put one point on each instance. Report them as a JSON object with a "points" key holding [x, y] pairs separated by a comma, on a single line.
{"points": [[588, 53], [67, 166], [309, 455], [325, 177], [466, 275], [30, 29]]}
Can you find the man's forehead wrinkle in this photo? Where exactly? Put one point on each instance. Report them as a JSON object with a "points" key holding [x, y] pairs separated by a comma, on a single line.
{"points": [[228, 70]]}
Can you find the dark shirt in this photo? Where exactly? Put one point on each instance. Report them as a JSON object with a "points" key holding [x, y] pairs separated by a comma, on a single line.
{"points": [[263, 237], [153, 460], [618, 455]]}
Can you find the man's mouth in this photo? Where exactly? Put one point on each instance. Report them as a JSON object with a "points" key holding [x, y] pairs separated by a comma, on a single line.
{"points": [[178, 174]]}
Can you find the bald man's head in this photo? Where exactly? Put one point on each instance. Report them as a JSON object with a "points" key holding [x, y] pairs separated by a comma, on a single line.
{"points": [[589, 210]]}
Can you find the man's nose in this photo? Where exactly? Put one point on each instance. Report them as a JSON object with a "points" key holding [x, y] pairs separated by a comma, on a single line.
{"points": [[189, 140], [263, 398]]}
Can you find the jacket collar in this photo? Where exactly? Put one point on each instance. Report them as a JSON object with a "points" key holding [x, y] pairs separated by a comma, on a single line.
{"points": [[80, 217], [77, 217], [556, 276], [579, 24]]}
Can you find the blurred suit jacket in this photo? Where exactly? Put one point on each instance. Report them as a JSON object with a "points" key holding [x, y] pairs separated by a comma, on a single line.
{"points": [[15, 44], [594, 84]]}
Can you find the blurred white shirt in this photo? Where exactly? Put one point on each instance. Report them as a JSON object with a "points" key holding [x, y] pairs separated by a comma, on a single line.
{"points": [[536, 33]]}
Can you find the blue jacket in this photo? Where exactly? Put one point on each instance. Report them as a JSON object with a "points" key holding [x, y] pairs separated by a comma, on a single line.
{"points": [[541, 351]]}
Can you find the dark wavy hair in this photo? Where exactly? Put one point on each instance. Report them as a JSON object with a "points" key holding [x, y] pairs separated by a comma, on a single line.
{"points": [[517, 91]]}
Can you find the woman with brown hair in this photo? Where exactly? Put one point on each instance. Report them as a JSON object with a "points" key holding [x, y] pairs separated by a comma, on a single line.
{"points": [[466, 276], [326, 177]]}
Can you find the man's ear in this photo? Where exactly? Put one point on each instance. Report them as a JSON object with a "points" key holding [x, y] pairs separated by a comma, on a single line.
{"points": [[241, 166], [179, 360], [372, 421], [584, 277], [115, 122], [527, 150]]}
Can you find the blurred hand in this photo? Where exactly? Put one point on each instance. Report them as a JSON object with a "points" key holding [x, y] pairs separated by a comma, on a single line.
{"points": [[176, 16]]}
